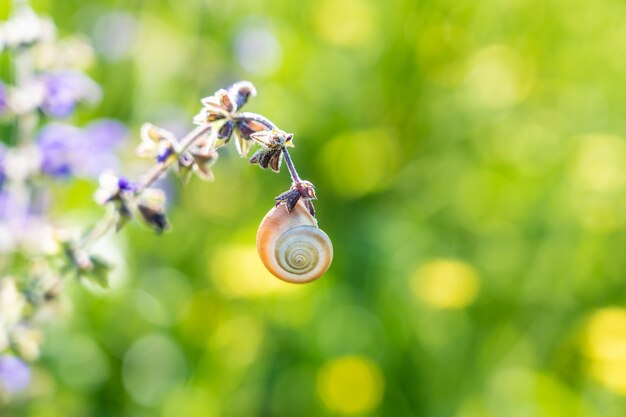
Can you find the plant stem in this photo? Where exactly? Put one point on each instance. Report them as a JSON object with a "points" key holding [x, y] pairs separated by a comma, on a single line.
{"points": [[23, 78], [109, 220], [292, 169], [99, 230]]}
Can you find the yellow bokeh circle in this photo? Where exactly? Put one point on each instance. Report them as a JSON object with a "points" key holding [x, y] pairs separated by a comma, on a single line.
{"points": [[350, 385], [445, 283], [605, 346], [238, 271], [346, 22]]}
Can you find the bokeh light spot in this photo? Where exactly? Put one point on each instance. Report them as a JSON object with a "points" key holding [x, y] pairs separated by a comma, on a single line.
{"points": [[605, 345], [257, 49], [350, 385], [498, 77], [82, 364], [444, 283], [238, 340], [606, 334], [601, 163], [344, 23], [153, 366], [238, 272], [115, 34], [438, 52], [369, 167], [150, 308], [190, 402], [597, 195]]}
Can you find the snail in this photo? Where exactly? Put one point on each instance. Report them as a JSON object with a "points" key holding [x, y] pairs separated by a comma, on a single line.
{"points": [[292, 246]]}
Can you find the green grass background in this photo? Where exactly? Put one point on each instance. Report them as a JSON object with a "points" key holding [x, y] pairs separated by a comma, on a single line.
{"points": [[470, 164]]}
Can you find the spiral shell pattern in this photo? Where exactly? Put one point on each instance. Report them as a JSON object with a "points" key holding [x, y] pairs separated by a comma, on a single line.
{"points": [[291, 245]]}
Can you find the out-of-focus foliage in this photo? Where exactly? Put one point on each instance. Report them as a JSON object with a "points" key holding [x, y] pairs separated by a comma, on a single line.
{"points": [[470, 165]]}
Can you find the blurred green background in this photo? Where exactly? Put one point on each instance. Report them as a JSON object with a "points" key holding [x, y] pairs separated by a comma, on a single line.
{"points": [[470, 164]]}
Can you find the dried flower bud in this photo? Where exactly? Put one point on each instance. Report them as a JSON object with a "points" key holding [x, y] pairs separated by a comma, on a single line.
{"points": [[273, 142], [151, 206], [185, 167], [204, 159], [302, 189], [243, 125], [268, 158], [273, 139], [115, 190], [216, 107], [240, 93], [199, 159], [223, 106], [248, 123], [225, 132], [156, 143], [290, 198]]}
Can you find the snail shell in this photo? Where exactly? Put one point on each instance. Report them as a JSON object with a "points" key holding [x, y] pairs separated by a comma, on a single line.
{"points": [[291, 245]]}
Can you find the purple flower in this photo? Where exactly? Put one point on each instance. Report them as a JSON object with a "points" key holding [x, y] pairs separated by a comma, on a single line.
{"points": [[9, 207], [58, 143], [96, 152], [15, 375], [64, 89], [67, 150]]}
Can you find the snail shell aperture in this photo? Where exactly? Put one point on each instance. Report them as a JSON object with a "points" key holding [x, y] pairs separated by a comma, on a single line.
{"points": [[291, 245]]}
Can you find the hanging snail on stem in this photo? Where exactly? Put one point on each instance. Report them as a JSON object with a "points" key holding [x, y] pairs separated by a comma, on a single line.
{"points": [[291, 245]]}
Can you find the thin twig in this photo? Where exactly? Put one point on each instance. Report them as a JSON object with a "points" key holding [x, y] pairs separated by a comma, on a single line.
{"points": [[110, 219], [292, 168], [99, 230]]}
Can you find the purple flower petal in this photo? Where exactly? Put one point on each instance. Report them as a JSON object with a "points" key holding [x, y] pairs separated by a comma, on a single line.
{"points": [[96, 151], [67, 150], [57, 142], [15, 375], [106, 134], [64, 89]]}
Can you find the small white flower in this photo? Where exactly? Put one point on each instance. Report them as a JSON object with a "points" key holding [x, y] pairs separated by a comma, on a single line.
{"points": [[110, 186], [26, 98], [12, 304], [21, 163], [72, 52], [26, 28], [27, 341], [7, 240]]}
